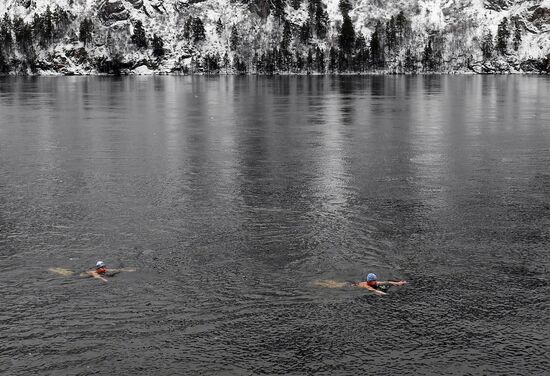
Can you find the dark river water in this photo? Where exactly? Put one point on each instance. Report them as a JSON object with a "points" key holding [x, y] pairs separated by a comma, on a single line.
{"points": [[234, 196]]}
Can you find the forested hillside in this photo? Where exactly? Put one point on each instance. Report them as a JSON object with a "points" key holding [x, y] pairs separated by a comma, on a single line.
{"points": [[273, 36]]}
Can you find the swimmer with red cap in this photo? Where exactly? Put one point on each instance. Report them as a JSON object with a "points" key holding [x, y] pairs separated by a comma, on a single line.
{"points": [[101, 271]]}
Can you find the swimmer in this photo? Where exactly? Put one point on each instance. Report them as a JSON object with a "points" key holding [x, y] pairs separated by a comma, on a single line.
{"points": [[373, 284], [101, 271]]}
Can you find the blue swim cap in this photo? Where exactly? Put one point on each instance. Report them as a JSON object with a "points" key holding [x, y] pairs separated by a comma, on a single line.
{"points": [[371, 277]]}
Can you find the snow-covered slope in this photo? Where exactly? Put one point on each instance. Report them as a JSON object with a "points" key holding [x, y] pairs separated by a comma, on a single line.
{"points": [[250, 34]]}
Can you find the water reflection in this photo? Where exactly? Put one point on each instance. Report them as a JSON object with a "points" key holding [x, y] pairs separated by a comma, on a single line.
{"points": [[233, 194]]}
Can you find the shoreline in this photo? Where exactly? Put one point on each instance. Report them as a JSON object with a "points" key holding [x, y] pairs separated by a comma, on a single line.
{"points": [[133, 74]]}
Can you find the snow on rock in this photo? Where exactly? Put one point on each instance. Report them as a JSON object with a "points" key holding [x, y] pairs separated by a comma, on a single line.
{"points": [[431, 14], [459, 25], [142, 70]]}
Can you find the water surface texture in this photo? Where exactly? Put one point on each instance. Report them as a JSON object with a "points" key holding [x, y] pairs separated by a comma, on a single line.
{"points": [[232, 196]]}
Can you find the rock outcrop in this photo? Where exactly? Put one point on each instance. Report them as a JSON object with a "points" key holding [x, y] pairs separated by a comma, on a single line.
{"points": [[112, 10], [541, 17], [138, 4]]}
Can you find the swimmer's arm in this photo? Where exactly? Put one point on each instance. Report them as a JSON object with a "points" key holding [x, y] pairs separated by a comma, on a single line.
{"points": [[377, 292], [113, 272], [365, 286], [122, 270], [393, 283], [96, 275]]}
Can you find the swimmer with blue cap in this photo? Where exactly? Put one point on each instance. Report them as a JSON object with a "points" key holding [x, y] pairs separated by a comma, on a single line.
{"points": [[373, 284]]}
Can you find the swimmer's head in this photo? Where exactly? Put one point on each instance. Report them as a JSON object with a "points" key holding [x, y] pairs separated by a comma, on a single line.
{"points": [[371, 277], [99, 265]]}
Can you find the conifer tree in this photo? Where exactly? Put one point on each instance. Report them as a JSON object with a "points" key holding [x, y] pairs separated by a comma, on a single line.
{"points": [[198, 30], [487, 45], [262, 7], [299, 62], [347, 35], [286, 59], [319, 60], [263, 63], [333, 60], [309, 60], [216, 61], [502, 36], [269, 60], [311, 7], [344, 61], [234, 39], [438, 57], [236, 64], [23, 36], [517, 35], [278, 8], [37, 26], [25, 43], [48, 27], [391, 34], [273, 61], [305, 32], [4, 66], [225, 61], [139, 38], [321, 21], [287, 36], [211, 63], [377, 48], [344, 6], [402, 26], [279, 60], [6, 40], [62, 21], [410, 61], [428, 57], [43, 28], [257, 62], [158, 46], [361, 54], [346, 39], [187, 28], [86, 31], [219, 26]]}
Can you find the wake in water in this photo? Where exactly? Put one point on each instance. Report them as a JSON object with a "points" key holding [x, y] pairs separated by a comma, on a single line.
{"points": [[61, 271], [332, 284], [100, 272]]}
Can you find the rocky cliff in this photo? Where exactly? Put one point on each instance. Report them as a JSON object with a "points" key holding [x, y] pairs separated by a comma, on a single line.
{"points": [[275, 36]]}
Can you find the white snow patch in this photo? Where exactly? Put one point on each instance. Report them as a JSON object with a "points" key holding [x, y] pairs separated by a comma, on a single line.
{"points": [[142, 70], [431, 14]]}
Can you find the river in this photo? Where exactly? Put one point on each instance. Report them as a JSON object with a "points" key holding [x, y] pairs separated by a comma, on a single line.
{"points": [[233, 196]]}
